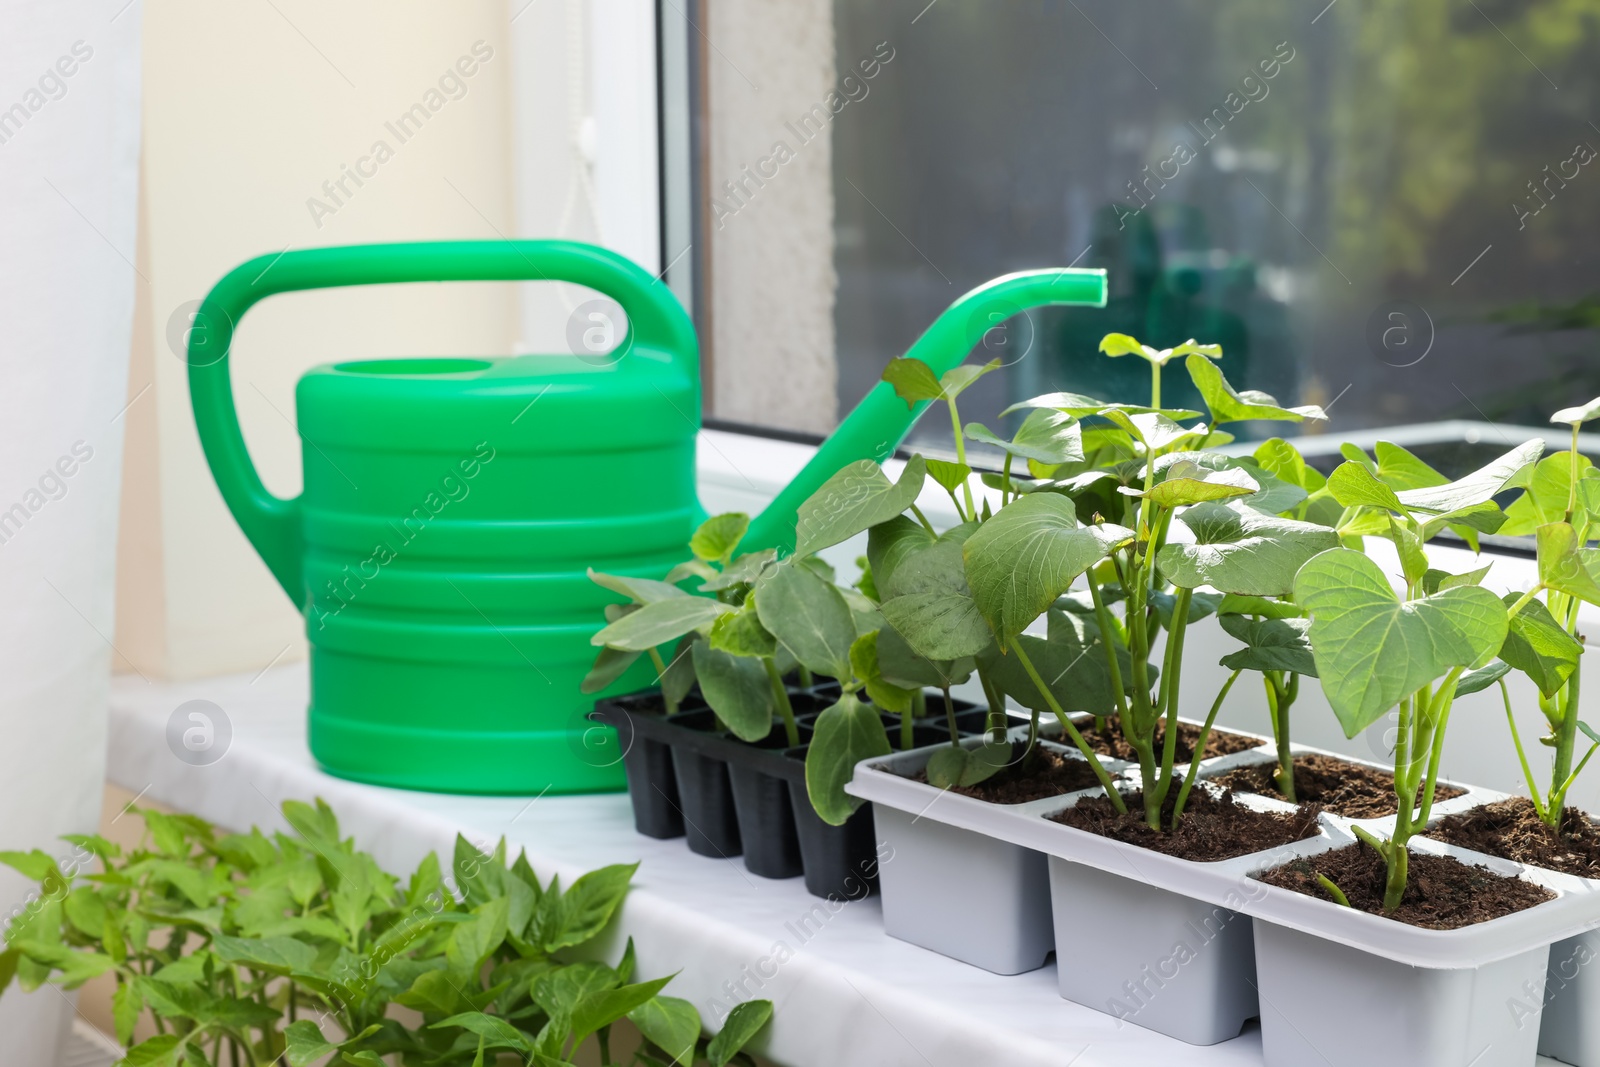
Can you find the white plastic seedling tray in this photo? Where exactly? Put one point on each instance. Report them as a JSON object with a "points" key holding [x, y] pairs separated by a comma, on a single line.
{"points": [[1575, 909]]}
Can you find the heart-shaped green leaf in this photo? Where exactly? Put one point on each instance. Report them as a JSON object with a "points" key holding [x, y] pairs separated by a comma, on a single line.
{"points": [[1538, 646], [901, 666], [1271, 645], [953, 766], [1399, 469], [845, 733], [882, 692], [888, 544], [1577, 416], [718, 536], [927, 599], [1229, 406], [1354, 485], [809, 617], [740, 633], [856, 498], [1372, 650], [1120, 344], [951, 476], [1476, 488], [913, 380], [1153, 429], [1188, 483], [1282, 460], [738, 690], [1072, 663], [1237, 549], [1561, 562], [1045, 436], [1021, 560], [1544, 500]]}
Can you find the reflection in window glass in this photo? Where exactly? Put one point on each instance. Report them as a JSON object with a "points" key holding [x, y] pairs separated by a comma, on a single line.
{"points": [[1388, 208]]}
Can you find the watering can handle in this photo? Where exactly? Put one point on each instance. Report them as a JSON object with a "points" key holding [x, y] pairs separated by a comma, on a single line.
{"points": [[879, 423], [655, 321]]}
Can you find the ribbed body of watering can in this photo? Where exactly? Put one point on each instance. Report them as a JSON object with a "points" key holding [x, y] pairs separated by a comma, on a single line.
{"points": [[451, 507]]}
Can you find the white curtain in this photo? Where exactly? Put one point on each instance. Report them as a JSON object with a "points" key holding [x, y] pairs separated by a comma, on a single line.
{"points": [[69, 167]]}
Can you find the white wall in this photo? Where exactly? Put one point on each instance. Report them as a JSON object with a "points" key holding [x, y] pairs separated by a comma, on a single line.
{"points": [[239, 142]]}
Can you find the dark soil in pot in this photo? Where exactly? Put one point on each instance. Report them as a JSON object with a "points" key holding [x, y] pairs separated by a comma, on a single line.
{"points": [[1512, 829], [1442, 893], [1340, 786], [1110, 742], [1212, 828], [1050, 775]]}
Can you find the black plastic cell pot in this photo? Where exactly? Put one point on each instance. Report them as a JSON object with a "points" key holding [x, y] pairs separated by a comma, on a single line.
{"points": [[762, 804], [647, 760], [841, 862], [705, 791]]}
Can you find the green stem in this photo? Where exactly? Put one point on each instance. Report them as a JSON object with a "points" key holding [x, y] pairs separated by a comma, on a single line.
{"points": [[1278, 701], [1155, 384], [1572, 489], [603, 1036], [1566, 735], [961, 457], [661, 676], [997, 705], [1005, 480], [1070, 729], [950, 717], [780, 697], [1170, 680], [926, 525], [807, 679], [1200, 746], [1522, 757], [908, 724], [1438, 719], [1102, 616]]}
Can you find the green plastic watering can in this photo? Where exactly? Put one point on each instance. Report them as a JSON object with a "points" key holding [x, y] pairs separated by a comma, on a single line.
{"points": [[451, 506]]}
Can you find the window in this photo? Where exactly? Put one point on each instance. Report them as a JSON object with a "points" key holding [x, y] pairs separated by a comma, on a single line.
{"points": [[1386, 208]]}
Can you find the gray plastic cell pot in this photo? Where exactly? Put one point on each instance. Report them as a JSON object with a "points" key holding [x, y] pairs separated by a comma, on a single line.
{"points": [[963, 894], [1569, 1029], [1323, 1002], [1161, 960], [950, 885]]}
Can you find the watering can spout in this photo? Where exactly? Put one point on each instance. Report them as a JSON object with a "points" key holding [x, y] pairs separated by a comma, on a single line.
{"points": [[880, 422]]}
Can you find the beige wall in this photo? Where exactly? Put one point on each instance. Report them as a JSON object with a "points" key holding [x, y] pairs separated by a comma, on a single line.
{"points": [[249, 109], [768, 62]]}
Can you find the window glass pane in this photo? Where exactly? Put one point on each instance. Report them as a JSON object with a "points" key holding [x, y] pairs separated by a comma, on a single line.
{"points": [[1389, 208]]}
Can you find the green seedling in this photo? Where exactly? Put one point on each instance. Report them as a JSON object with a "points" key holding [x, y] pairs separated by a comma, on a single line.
{"points": [[1416, 650], [252, 949]]}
